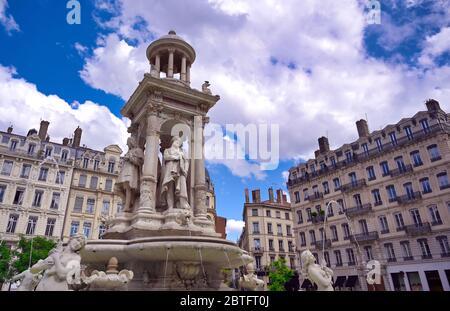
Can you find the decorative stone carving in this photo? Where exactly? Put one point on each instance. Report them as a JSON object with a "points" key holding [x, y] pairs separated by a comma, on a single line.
{"points": [[319, 275], [250, 280], [173, 177], [205, 88], [28, 280], [62, 266], [111, 279], [127, 185]]}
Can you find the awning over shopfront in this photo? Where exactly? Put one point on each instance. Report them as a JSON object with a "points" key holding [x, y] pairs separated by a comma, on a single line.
{"points": [[351, 281], [340, 280]]}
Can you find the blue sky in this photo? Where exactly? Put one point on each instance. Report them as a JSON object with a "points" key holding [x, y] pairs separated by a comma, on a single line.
{"points": [[312, 68]]}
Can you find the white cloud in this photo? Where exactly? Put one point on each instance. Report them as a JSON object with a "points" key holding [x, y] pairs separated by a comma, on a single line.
{"points": [[100, 126], [234, 226], [7, 20], [435, 46], [285, 175]]}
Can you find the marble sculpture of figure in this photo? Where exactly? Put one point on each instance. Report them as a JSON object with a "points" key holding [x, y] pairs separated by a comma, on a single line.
{"points": [[28, 280], [61, 267], [319, 275], [173, 177], [250, 281], [127, 185]]}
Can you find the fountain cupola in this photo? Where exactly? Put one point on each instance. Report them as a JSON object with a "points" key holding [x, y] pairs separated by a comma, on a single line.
{"points": [[173, 56]]}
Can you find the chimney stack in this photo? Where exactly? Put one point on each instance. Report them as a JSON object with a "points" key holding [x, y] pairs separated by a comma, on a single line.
{"points": [[324, 145], [279, 195], [77, 137], [284, 198], [432, 105], [66, 141], [43, 128], [363, 128], [247, 197], [271, 200], [316, 153], [10, 129], [256, 196]]}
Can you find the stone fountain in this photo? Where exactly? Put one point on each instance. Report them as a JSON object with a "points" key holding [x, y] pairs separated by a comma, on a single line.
{"points": [[163, 234]]}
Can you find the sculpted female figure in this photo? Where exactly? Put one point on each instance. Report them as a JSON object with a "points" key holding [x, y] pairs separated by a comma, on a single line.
{"points": [[319, 275], [173, 177], [61, 266], [127, 185]]}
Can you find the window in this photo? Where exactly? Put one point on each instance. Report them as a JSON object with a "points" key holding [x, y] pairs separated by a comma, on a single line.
{"points": [[326, 188], [7, 167], [13, 145], [346, 230], [277, 214], [433, 152], [87, 229], [351, 257], [425, 248], [377, 197], [56, 196], [337, 184], [50, 226], [94, 182], [85, 163], [286, 216], [292, 262], [101, 231], [5, 139], [96, 165], [415, 215], [60, 177], [330, 209], [337, 255], [333, 161], [326, 256], [37, 200], [312, 236], [12, 223], [208, 202], [393, 138], [43, 173], [425, 125], [312, 167], [119, 207], [392, 194], [2, 192], [443, 180], [406, 249], [390, 254], [18, 197], [74, 226], [108, 185], [268, 213], [90, 205], [357, 200], [280, 245], [254, 212], [379, 144], [31, 148], [297, 196], [82, 181], [48, 152], [279, 229], [258, 262], [383, 224], [269, 228], [416, 159], [408, 132], [288, 230], [435, 216], [371, 173], [272, 259], [31, 225], [256, 227], [443, 243], [409, 190], [334, 233], [353, 179], [111, 167], [271, 245], [305, 194], [400, 164], [363, 226], [105, 208], [426, 187], [349, 156], [368, 252], [78, 207], [26, 169], [308, 213], [365, 149], [302, 239], [399, 221], [257, 244], [341, 204], [64, 155], [384, 168], [322, 165]]}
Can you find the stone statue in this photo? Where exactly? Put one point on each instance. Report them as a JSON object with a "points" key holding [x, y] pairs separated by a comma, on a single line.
{"points": [[28, 280], [111, 279], [173, 177], [319, 275], [250, 280], [62, 266], [205, 88], [127, 185]]}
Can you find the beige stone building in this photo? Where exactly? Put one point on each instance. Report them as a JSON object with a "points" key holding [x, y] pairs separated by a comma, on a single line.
{"points": [[268, 231], [393, 196]]}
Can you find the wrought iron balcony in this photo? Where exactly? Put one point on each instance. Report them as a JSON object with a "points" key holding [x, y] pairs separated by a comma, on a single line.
{"points": [[257, 250], [359, 210], [353, 185], [400, 171], [318, 219], [316, 197], [409, 198], [319, 244], [418, 229], [365, 237]]}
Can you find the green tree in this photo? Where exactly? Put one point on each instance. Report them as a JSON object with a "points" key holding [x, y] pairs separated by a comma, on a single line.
{"points": [[5, 258], [279, 275], [39, 248]]}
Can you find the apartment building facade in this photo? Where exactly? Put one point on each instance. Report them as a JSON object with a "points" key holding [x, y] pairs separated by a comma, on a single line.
{"points": [[388, 195], [268, 231]]}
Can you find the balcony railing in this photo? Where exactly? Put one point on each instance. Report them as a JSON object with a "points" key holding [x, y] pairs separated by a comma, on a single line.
{"points": [[319, 244], [364, 237], [359, 210], [418, 229], [257, 250], [409, 198], [400, 171], [358, 158], [353, 185], [316, 196]]}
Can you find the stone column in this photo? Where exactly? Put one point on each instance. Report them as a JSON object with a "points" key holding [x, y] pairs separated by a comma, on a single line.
{"points": [[183, 69], [188, 74], [158, 63], [170, 64]]}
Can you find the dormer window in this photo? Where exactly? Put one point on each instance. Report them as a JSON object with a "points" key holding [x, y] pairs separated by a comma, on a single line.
{"points": [[48, 152], [31, 148], [13, 145], [64, 155], [85, 162], [111, 165]]}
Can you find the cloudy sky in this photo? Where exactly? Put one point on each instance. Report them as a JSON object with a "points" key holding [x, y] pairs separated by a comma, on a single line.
{"points": [[311, 67]]}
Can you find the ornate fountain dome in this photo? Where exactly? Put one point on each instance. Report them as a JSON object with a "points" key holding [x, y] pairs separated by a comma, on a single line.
{"points": [[173, 56]]}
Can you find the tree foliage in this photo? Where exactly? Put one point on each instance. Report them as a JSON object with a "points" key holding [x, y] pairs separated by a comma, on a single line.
{"points": [[5, 259], [279, 275], [40, 248]]}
